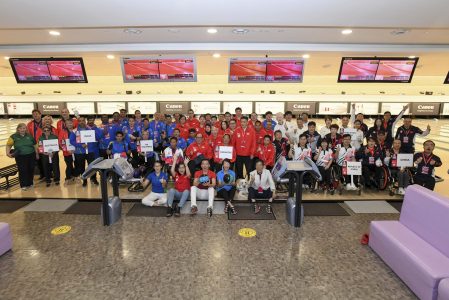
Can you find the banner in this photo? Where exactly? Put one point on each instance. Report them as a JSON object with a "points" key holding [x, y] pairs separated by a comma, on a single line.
{"points": [[299, 107], [83, 108], [333, 108], [211, 107], [421, 109], [50, 108], [109, 108], [366, 108], [87, 136], [225, 152], [144, 107], [180, 107], [247, 107], [19, 108], [354, 168], [349, 130], [274, 107], [394, 108], [404, 160], [51, 145]]}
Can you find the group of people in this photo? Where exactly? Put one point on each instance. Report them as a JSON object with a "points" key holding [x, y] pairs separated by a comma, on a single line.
{"points": [[206, 155]]}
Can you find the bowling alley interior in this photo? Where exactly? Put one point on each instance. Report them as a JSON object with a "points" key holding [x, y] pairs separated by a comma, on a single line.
{"points": [[224, 150]]}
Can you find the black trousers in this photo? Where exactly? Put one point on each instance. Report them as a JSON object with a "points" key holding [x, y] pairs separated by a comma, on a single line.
{"points": [[80, 164], [368, 171], [69, 167], [243, 161], [253, 194], [426, 181], [51, 168], [103, 154], [228, 196], [40, 166], [25, 166], [326, 174]]}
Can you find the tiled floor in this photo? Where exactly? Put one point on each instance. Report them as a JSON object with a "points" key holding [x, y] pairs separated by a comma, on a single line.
{"points": [[193, 258]]}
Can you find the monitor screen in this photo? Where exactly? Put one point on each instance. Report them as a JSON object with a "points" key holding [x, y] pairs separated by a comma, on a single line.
{"points": [[247, 70], [154, 69], [355, 69], [446, 81], [288, 70], [49, 70], [395, 70], [377, 69]]}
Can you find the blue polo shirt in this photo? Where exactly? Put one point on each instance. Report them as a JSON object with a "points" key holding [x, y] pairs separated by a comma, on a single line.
{"points": [[156, 185], [220, 176]]}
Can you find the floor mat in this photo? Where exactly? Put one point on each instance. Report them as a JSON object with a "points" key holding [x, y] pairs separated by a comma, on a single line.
{"points": [[52, 205], [324, 209], [202, 207], [396, 204], [140, 210], [10, 206], [84, 208], [371, 207], [246, 212]]}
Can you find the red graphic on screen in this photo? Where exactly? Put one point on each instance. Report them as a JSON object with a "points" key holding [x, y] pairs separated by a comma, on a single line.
{"points": [[66, 70], [359, 70], [35, 70], [139, 69], [395, 70], [284, 70], [247, 70], [180, 69]]}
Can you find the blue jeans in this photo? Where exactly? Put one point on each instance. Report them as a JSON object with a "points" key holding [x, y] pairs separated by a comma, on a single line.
{"points": [[175, 194]]}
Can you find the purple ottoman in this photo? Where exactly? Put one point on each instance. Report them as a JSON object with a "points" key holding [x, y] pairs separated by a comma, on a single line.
{"points": [[417, 246], [5, 238], [443, 289]]}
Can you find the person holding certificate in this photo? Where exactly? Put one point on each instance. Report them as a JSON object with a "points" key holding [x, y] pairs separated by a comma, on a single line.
{"points": [[119, 147], [67, 149], [224, 151], [49, 155]]}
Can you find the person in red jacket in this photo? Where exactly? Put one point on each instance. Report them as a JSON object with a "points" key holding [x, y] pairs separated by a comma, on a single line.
{"points": [[201, 128], [183, 128], [34, 127], [253, 119], [226, 141], [245, 147], [231, 130], [215, 138], [192, 122], [197, 151], [65, 115], [260, 132], [67, 149], [238, 116], [267, 152]]}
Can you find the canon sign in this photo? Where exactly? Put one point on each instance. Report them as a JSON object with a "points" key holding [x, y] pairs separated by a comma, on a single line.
{"points": [[425, 109], [50, 108], [174, 107], [300, 107]]}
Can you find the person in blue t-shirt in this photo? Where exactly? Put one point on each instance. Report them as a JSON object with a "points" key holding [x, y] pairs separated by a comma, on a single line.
{"points": [[158, 181], [119, 147], [226, 185], [182, 143], [192, 135]]}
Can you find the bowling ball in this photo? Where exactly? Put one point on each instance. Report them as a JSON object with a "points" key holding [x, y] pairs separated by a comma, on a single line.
{"points": [[204, 179], [227, 178], [137, 173]]}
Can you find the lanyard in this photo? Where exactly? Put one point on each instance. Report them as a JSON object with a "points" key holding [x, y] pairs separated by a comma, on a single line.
{"points": [[371, 151], [427, 161]]}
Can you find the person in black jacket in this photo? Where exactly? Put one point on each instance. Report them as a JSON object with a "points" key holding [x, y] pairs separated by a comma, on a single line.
{"points": [[425, 163], [372, 159], [407, 133]]}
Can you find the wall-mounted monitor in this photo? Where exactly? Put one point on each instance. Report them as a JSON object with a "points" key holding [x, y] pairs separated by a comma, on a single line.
{"points": [[266, 69], [156, 69], [446, 81], [377, 69], [49, 70]]}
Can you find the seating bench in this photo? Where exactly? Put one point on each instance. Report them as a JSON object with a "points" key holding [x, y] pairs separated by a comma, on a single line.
{"points": [[5, 238], [7, 172], [443, 289], [417, 246]]}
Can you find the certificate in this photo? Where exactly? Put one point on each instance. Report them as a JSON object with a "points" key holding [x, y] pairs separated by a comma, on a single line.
{"points": [[354, 168], [225, 152], [87, 136], [51, 145], [146, 146], [404, 160]]}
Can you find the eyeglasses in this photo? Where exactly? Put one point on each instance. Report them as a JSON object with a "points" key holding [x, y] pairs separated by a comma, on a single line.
{"points": [[46, 130]]}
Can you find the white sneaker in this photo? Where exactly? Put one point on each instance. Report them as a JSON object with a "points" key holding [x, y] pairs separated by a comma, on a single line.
{"points": [[353, 187], [401, 191], [348, 186]]}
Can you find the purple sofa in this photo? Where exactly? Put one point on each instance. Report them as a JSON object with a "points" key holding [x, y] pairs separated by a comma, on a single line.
{"points": [[5, 238], [417, 246], [443, 289]]}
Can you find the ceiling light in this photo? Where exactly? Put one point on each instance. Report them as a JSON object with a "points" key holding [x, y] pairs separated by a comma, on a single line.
{"points": [[412, 56], [212, 30], [54, 33], [216, 55], [346, 31], [240, 31], [306, 56], [173, 30], [110, 56], [6, 57], [132, 31]]}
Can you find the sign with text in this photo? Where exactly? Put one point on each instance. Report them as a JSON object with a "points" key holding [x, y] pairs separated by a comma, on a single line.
{"points": [[51, 145], [144, 107], [83, 108], [366, 108], [394, 108], [349, 130], [87, 136], [333, 108], [19, 108], [274, 107], [109, 108], [445, 109], [225, 152], [210, 107], [354, 168], [404, 160], [50, 108], [2, 108], [146, 146], [299, 107], [69, 146], [175, 107], [425, 108], [247, 107]]}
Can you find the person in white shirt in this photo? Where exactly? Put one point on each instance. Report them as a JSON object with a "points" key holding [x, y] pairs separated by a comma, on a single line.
{"points": [[261, 186], [298, 131], [357, 137], [305, 118], [290, 122], [300, 151], [326, 129], [281, 125]]}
